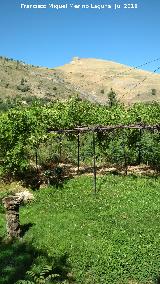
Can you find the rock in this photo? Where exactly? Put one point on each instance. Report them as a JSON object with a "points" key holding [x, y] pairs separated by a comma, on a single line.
{"points": [[11, 204], [25, 196]]}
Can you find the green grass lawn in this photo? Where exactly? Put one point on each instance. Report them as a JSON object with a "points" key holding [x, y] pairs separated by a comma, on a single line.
{"points": [[110, 237]]}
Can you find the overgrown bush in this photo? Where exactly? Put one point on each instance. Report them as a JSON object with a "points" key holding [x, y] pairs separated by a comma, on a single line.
{"points": [[23, 88]]}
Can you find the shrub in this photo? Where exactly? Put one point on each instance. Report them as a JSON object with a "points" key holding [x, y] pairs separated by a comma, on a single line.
{"points": [[23, 88], [154, 92]]}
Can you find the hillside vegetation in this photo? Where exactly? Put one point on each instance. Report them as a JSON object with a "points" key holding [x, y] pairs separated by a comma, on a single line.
{"points": [[20, 81], [91, 79]]}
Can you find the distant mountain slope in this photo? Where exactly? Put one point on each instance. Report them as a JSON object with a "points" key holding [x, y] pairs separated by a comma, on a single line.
{"points": [[18, 79], [96, 78], [91, 79]]}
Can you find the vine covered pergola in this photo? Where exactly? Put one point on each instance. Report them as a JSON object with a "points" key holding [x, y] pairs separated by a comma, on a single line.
{"points": [[100, 129]]}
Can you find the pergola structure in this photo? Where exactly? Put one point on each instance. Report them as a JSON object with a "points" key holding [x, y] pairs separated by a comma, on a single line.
{"points": [[100, 129]]}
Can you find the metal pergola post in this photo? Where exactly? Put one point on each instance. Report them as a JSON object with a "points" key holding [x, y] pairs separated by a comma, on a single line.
{"points": [[125, 156], [60, 147], [78, 152], [139, 148], [94, 164], [36, 159]]}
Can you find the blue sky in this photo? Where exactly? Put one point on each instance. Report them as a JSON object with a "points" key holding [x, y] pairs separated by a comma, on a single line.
{"points": [[48, 37]]}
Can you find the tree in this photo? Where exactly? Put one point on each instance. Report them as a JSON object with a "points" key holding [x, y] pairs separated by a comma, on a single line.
{"points": [[112, 98], [154, 92]]}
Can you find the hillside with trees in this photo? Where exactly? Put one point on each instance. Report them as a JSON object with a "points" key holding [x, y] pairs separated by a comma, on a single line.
{"points": [[90, 79]]}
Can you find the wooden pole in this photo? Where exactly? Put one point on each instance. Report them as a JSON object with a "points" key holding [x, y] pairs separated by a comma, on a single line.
{"points": [[94, 163]]}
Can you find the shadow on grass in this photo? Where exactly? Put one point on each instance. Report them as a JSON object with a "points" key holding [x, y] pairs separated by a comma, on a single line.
{"points": [[62, 268], [157, 280], [2, 210], [25, 228], [17, 257]]}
